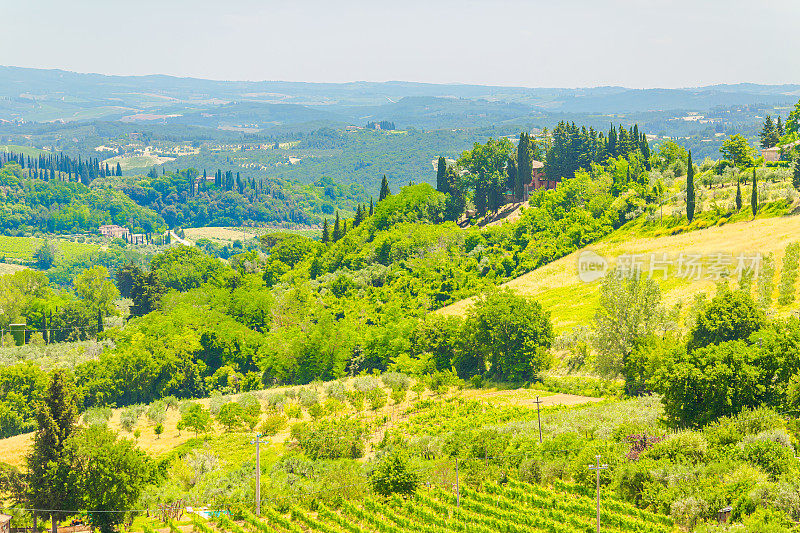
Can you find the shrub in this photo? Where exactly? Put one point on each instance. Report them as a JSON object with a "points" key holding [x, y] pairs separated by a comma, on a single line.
{"points": [[308, 397], [275, 399], [156, 412], [97, 416], [293, 411], [396, 381], [356, 399], [772, 457], [337, 390], [273, 424], [365, 383], [398, 396], [683, 447], [392, 476], [377, 399], [129, 417], [330, 439]]}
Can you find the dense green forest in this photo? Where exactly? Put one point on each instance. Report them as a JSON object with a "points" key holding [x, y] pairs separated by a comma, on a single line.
{"points": [[56, 206]]}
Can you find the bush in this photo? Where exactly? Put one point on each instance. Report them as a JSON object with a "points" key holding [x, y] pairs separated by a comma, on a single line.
{"points": [[273, 424], [308, 397], [293, 411], [365, 383], [683, 447], [337, 390], [377, 399], [392, 476], [772, 457], [396, 381], [97, 416], [129, 417], [330, 439], [356, 399]]}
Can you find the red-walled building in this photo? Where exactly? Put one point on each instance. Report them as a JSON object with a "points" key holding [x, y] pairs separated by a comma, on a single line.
{"points": [[538, 180]]}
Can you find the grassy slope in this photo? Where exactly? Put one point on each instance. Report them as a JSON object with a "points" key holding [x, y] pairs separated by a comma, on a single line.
{"points": [[573, 302]]}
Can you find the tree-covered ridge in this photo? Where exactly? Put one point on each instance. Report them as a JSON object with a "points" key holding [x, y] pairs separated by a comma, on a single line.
{"points": [[188, 198], [57, 206]]}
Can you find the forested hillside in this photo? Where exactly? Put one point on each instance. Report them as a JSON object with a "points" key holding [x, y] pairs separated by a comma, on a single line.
{"points": [[56, 206]]}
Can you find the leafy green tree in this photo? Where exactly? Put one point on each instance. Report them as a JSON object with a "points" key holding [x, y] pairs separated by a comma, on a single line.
{"points": [[793, 122], [796, 173], [731, 315], [702, 385], [48, 470], [738, 150], [97, 291], [513, 333], [106, 474], [45, 255], [195, 418], [230, 416], [385, 192], [392, 476], [754, 195], [690, 192], [146, 292], [629, 312], [184, 267]]}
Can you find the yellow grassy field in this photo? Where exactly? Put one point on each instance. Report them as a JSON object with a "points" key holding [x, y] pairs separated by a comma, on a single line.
{"points": [[573, 302]]}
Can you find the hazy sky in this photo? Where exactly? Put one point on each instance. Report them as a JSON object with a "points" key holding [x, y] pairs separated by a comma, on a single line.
{"points": [[556, 43]]}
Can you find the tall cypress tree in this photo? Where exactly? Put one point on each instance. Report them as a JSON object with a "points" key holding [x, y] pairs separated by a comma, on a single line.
{"points": [[690, 199], [796, 173], [337, 228], [384, 189], [524, 166], [754, 195], [738, 194], [779, 127], [441, 170], [371, 207], [326, 231], [47, 478]]}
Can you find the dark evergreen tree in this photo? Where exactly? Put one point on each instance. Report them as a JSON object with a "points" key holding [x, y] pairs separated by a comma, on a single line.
{"points": [[769, 134], [524, 168], [384, 189], [738, 194], [371, 207], [796, 173], [326, 231], [754, 195], [48, 470], [337, 228], [779, 127], [441, 171], [690, 193]]}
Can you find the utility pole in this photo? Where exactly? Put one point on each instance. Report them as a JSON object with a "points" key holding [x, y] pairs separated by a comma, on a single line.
{"points": [[539, 417], [258, 473], [598, 467]]}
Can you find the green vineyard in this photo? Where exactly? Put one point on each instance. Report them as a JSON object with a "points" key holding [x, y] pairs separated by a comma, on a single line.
{"points": [[23, 248], [514, 507]]}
